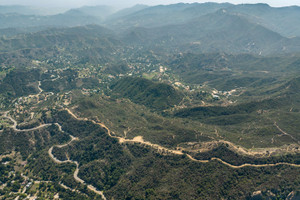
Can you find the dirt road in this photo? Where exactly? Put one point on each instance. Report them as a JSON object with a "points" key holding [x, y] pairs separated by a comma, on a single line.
{"points": [[139, 140]]}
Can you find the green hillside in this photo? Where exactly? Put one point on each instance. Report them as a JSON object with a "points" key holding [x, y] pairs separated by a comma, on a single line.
{"points": [[158, 96], [19, 83]]}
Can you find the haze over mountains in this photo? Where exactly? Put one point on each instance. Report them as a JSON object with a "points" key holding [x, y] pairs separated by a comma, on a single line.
{"points": [[208, 27]]}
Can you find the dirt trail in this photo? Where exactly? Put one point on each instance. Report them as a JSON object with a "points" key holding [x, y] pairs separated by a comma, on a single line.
{"points": [[252, 165], [140, 140], [243, 165], [257, 152], [285, 133]]}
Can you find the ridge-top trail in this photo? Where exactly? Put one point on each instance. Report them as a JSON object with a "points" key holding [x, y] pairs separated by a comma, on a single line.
{"points": [[139, 140]]}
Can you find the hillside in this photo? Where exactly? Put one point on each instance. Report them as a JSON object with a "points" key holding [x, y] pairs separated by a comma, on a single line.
{"points": [[25, 10], [226, 72], [68, 19], [19, 83], [162, 15], [100, 12], [88, 43], [59, 37], [157, 96], [125, 12], [280, 20]]}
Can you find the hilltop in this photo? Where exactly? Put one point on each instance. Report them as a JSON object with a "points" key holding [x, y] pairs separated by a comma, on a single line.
{"points": [[158, 96]]}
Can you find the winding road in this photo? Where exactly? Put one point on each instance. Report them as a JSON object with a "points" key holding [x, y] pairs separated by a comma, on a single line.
{"points": [[15, 124], [75, 175]]}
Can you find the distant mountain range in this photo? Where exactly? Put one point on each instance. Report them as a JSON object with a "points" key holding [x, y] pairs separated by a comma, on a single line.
{"points": [[216, 32], [200, 28]]}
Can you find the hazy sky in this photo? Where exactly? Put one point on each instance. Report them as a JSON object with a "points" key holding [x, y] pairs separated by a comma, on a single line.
{"points": [[127, 3]]}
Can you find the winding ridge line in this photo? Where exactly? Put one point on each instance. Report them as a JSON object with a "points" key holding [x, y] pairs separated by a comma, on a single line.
{"points": [[140, 140]]}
